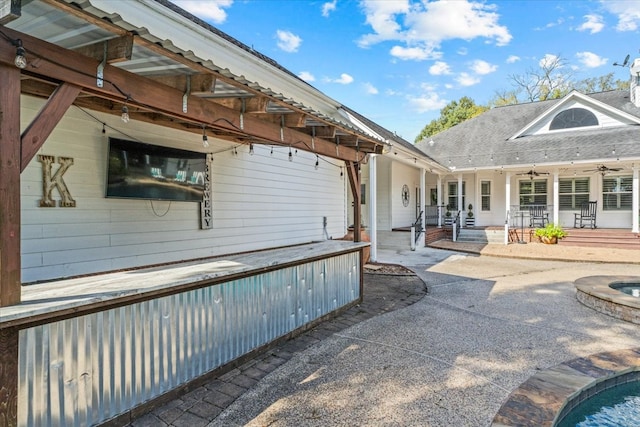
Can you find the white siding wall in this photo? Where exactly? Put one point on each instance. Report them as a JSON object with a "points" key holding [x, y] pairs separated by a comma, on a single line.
{"points": [[259, 201], [401, 174], [383, 193]]}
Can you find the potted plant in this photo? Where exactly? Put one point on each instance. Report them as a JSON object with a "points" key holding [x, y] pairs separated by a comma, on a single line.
{"points": [[470, 221], [447, 216], [550, 234]]}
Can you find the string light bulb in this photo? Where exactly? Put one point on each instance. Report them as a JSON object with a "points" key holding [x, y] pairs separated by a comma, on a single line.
{"points": [[290, 155], [613, 152], [20, 60], [125, 114], [205, 140], [271, 150], [341, 172], [251, 149], [104, 130], [317, 162]]}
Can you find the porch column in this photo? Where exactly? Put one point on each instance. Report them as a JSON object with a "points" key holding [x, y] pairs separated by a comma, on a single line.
{"points": [[439, 199], [635, 200], [423, 200], [556, 197], [10, 280], [507, 201], [373, 209], [460, 207]]}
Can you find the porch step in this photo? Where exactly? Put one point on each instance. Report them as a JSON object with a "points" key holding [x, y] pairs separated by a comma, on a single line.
{"points": [[481, 235], [610, 238]]}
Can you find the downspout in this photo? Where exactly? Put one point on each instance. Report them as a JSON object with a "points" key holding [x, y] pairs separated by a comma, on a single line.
{"points": [[635, 200]]}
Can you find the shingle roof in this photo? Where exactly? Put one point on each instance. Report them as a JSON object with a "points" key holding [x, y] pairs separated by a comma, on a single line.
{"points": [[483, 142]]}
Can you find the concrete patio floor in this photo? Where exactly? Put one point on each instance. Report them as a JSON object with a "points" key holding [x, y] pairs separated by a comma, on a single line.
{"points": [[451, 358]]}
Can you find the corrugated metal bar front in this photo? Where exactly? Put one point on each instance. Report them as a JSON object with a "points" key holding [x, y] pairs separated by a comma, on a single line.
{"points": [[85, 370]]}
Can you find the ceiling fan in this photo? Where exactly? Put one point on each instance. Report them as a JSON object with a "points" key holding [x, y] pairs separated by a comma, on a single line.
{"points": [[603, 169], [532, 173]]}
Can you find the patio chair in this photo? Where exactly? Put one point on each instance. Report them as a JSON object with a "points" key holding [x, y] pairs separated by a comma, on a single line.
{"points": [[538, 216], [587, 215]]}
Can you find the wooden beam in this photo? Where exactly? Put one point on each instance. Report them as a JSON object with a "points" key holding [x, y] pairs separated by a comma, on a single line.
{"points": [[118, 49], [353, 173], [9, 185], [9, 11], [41, 127], [51, 61]]}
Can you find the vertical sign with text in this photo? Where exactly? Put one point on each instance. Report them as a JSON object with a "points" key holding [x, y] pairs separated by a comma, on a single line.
{"points": [[206, 216]]}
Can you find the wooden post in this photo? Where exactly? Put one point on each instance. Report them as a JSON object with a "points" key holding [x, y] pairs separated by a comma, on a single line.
{"points": [[353, 172], [9, 185], [9, 237]]}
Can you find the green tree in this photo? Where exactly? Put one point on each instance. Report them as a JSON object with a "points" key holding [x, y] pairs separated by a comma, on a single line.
{"points": [[453, 113], [601, 84]]}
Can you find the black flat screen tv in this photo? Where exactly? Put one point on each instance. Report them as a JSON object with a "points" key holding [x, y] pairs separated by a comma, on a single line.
{"points": [[151, 172]]}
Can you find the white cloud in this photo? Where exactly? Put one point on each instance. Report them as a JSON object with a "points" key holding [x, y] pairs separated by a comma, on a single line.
{"points": [[591, 60], [328, 7], [288, 41], [429, 102], [593, 24], [414, 53], [439, 68], [512, 59], [482, 67], [210, 10], [628, 13], [306, 76], [547, 60], [552, 24], [466, 79], [422, 26], [344, 79], [370, 89]]}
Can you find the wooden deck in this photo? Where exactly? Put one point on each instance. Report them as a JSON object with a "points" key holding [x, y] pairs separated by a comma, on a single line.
{"points": [[598, 237]]}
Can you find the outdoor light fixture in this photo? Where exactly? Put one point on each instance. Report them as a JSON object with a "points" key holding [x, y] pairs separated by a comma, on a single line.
{"points": [[125, 114], [20, 60], [205, 140]]}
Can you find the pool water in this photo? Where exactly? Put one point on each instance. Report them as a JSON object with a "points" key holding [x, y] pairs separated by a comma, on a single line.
{"points": [[634, 291], [618, 406]]}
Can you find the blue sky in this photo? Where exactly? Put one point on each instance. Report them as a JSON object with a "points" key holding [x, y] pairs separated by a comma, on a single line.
{"points": [[398, 62]]}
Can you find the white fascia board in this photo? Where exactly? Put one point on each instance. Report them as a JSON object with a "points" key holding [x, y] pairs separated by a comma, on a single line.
{"points": [[406, 156], [185, 34], [584, 99], [364, 128]]}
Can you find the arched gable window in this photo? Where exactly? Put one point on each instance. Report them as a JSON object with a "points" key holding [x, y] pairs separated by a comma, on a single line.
{"points": [[573, 118]]}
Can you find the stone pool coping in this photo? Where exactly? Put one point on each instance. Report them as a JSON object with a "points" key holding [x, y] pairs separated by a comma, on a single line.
{"points": [[595, 292], [541, 399]]}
